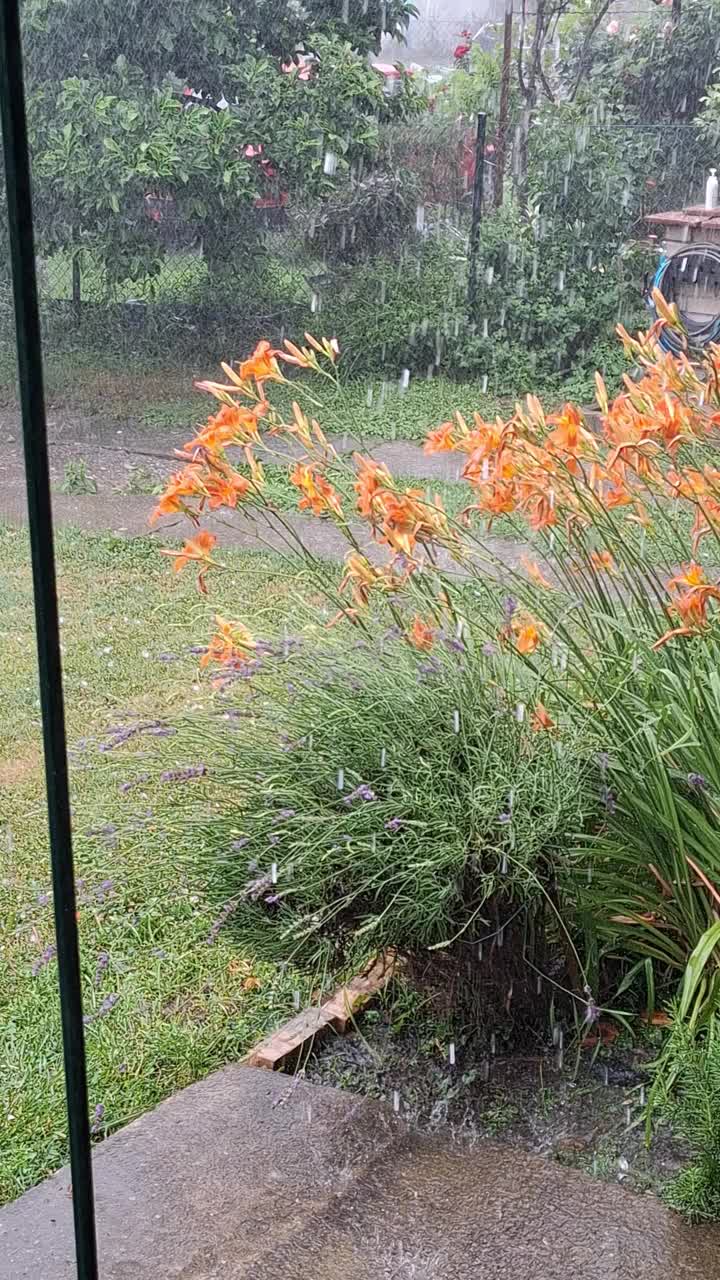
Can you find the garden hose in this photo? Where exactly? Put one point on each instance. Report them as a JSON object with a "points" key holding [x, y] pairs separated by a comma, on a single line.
{"points": [[699, 333]]}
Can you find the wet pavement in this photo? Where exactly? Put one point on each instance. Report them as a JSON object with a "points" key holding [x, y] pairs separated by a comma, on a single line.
{"points": [[254, 1176], [111, 453]]}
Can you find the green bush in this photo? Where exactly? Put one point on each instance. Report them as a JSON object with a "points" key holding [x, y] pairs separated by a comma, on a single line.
{"points": [[396, 311], [398, 798], [694, 1113]]}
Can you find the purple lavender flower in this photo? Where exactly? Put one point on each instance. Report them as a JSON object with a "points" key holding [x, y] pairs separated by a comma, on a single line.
{"points": [[106, 831], [229, 909], [698, 781], [256, 888], [103, 961], [429, 667], [283, 815], [167, 657], [43, 899], [135, 782], [240, 844], [274, 838], [489, 649], [107, 1005], [394, 824], [197, 649], [104, 890], [608, 800], [272, 899], [362, 792], [504, 819], [43, 960], [457, 646], [98, 1118], [185, 774], [510, 604]]}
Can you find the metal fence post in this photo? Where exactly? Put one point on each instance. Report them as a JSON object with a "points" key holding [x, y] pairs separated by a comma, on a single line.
{"points": [[27, 321], [477, 204]]}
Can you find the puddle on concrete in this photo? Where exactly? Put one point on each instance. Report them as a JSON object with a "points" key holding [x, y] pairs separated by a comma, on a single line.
{"points": [[588, 1116]]}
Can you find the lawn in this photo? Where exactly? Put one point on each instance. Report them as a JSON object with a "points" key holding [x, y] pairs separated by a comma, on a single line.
{"points": [[166, 1003]]}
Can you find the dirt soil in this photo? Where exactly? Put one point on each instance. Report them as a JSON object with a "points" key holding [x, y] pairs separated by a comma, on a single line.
{"points": [[587, 1115]]}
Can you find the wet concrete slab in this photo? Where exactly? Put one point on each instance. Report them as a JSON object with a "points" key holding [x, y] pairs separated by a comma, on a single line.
{"points": [[251, 1176]]}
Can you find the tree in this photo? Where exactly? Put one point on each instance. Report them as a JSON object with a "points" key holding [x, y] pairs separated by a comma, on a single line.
{"points": [[110, 123]]}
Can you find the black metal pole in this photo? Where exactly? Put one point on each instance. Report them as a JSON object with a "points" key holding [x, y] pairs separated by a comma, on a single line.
{"points": [[27, 322], [478, 185]]}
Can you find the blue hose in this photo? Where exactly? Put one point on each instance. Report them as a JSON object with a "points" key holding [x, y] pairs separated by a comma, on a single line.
{"points": [[697, 336]]}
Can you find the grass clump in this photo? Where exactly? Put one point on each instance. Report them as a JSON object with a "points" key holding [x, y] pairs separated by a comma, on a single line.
{"points": [[694, 1113], [373, 797]]}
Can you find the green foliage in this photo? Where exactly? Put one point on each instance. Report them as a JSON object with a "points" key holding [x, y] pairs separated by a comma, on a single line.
{"points": [[376, 782], [397, 311], [659, 729], [693, 1110], [77, 479], [191, 39]]}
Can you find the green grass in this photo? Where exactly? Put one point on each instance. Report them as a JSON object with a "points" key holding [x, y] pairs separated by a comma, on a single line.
{"points": [[382, 410], [182, 1007]]}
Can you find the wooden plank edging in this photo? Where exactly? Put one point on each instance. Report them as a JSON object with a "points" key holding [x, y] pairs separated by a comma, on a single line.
{"points": [[336, 1012]]}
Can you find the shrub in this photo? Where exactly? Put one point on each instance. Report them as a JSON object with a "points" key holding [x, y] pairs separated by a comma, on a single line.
{"points": [[382, 797], [602, 644], [694, 1113]]}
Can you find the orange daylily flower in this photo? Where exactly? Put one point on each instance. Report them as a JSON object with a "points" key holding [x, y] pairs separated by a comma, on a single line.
{"points": [[441, 439], [232, 424], [225, 489], [318, 494], [527, 638], [183, 484], [420, 635], [536, 573], [690, 594], [362, 577], [372, 479], [195, 549], [603, 561], [541, 719], [261, 365], [232, 642], [569, 434]]}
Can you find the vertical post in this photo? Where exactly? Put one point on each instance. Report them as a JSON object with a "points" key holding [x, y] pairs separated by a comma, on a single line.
{"points": [[76, 285], [27, 323], [478, 185], [504, 107]]}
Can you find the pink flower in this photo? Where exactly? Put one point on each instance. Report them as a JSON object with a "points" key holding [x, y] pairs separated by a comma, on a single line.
{"points": [[613, 27]]}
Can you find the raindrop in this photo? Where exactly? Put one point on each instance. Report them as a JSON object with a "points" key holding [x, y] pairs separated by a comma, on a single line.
{"points": [[451, 1053], [369, 397], [330, 163], [520, 712], [606, 1075], [404, 379], [396, 1101], [296, 999], [538, 985], [485, 1070], [340, 780], [493, 1044], [504, 865], [274, 873], [480, 951], [484, 383], [420, 218], [315, 302], [456, 721], [383, 758]]}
